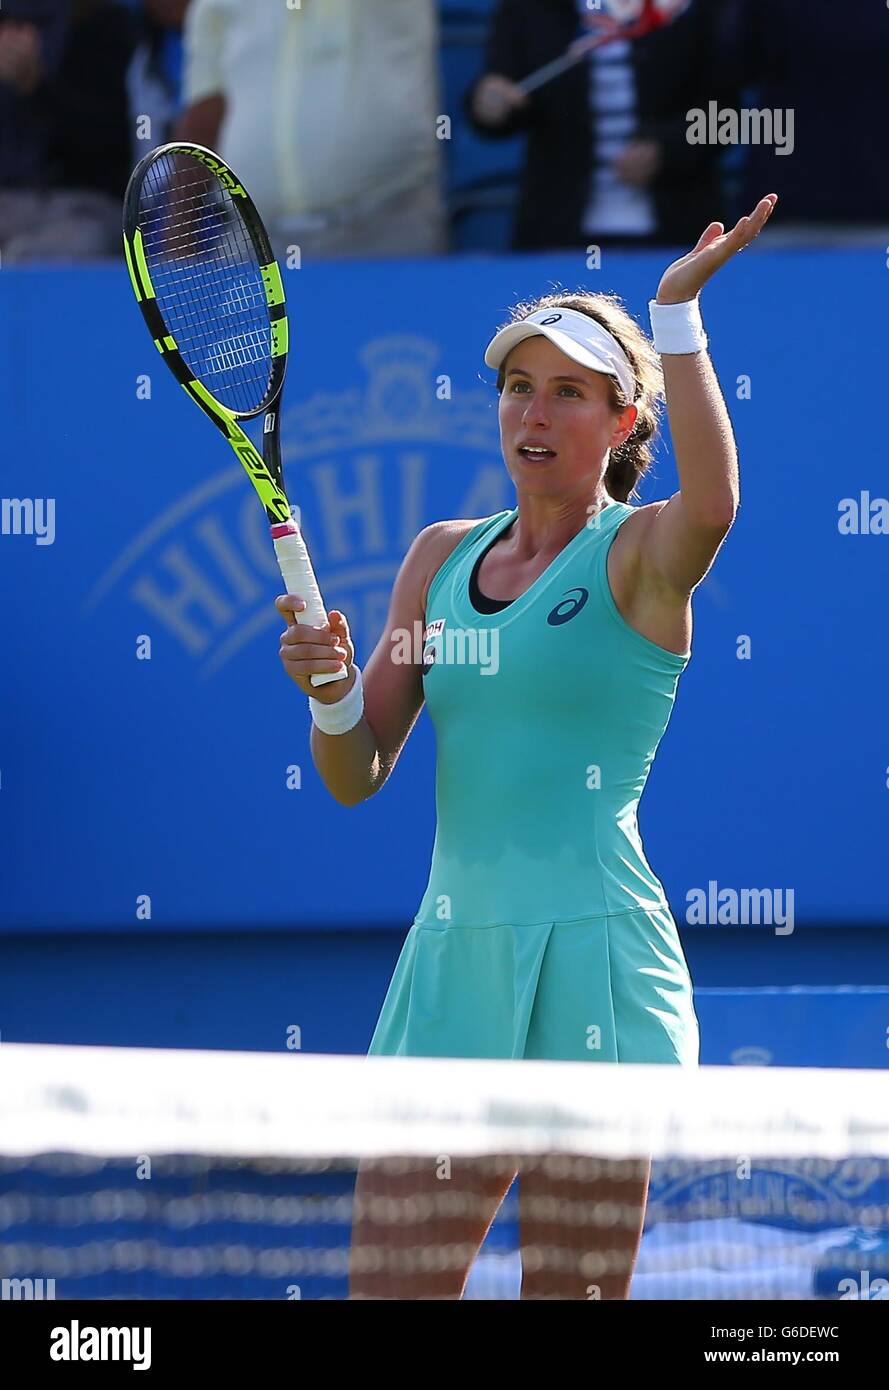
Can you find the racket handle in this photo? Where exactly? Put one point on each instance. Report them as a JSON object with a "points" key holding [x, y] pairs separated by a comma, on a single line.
{"points": [[299, 578]]}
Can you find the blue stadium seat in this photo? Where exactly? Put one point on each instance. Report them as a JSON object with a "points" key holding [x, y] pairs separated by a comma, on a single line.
{"points": [[482, 214], [481, 174], [455, 10]]}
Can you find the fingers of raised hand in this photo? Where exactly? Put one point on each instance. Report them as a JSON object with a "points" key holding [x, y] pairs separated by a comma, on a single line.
{"points": [[709, 235], [749, 227], [763, 211]]}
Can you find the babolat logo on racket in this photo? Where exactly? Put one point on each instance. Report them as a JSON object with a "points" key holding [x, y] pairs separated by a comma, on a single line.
{"points": [[222, 172], [272, 497], [568, 608]]}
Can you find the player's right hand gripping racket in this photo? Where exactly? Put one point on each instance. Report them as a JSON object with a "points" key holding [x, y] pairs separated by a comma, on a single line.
{"points": [[210, 291]]}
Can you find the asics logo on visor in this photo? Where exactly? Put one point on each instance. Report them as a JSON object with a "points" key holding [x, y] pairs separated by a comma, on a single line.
{"points": [[553, 318]]}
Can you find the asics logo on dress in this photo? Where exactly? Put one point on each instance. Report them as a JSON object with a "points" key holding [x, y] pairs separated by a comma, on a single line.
{"points": [[568, 608]]}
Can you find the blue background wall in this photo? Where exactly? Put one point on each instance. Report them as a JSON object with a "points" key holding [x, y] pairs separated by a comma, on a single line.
{"points": [[168, 777]]}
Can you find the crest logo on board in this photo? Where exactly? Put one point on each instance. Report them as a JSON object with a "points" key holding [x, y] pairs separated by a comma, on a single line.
{"points": [[359, 465]]}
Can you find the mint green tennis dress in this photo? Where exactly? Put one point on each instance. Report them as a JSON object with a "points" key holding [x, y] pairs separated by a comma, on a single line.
{"points": [[543, 932]]}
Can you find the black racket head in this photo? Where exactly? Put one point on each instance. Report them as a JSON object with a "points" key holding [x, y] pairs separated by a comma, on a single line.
{"points": [[205, 277]]}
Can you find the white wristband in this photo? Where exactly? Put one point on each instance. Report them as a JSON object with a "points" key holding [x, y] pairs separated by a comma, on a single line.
{"points": [[677, 328], [343, 714]]}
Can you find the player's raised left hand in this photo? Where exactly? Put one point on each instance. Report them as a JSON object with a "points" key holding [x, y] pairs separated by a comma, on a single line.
{"points": [[686, 277]]}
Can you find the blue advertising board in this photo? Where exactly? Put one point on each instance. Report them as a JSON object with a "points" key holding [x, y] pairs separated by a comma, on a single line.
{"points": [[155, 766]]}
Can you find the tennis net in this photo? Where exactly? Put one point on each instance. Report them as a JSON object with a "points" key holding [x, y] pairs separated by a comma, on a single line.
{"points": [[130, 1173]]}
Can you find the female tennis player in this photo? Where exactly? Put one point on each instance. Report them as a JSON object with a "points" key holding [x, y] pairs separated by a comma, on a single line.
{"points": [[543, 932]]}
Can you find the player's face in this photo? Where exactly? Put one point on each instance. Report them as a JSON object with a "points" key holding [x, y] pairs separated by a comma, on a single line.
{"points": [[548, 399]]}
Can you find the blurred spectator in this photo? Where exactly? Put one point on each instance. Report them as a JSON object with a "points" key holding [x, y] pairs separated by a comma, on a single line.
{"points": [[827, 64], [328, 112], [64, 141], [607, 158], [154, 80]]}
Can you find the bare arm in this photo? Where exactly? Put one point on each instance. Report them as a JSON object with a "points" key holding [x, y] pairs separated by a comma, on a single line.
{"points": [[200, 122], [205, 43], [493, 103], [349, 764], [356, 764], [679, 545], [685, 533]]}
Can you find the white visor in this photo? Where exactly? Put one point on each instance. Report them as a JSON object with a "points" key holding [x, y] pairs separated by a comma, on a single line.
{"points": [[577, 335]]}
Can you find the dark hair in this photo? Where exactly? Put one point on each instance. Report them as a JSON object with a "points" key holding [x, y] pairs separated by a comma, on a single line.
{"points": [[633, 458]]}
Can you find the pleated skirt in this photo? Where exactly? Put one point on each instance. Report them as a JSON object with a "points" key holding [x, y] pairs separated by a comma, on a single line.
{"points": [[609, 988]]}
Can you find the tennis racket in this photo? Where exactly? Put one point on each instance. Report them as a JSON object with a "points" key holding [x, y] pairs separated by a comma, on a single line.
{"points": [[610, 20], [210, 291]]}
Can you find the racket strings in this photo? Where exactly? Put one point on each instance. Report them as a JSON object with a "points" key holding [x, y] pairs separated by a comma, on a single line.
{"points": [[207, 279]]}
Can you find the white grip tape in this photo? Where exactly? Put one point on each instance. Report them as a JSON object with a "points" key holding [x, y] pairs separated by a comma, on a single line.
{"points": [[299, 578]]}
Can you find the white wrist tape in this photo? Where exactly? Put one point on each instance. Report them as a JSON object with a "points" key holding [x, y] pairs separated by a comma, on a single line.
{"points": [[677, 328], [343, 714]]}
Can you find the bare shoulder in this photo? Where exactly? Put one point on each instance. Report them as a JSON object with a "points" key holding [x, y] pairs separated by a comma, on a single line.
{"points": [[438, 541], [634, 529]]}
